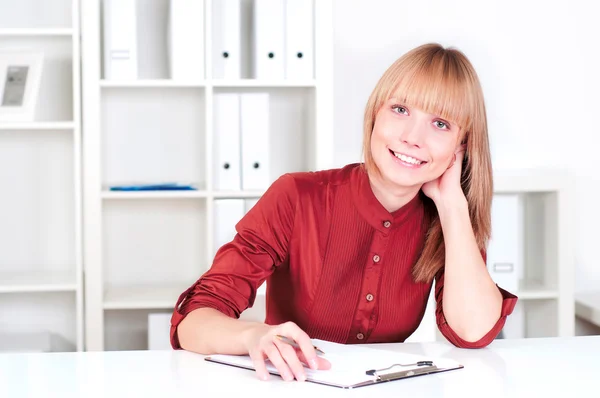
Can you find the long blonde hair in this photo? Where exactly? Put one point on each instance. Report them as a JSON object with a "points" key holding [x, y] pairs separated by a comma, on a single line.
{"points": [[441, 81]]}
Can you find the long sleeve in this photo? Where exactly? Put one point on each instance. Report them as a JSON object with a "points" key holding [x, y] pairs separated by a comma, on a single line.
{"points": [[508, 304], [242, 265]]}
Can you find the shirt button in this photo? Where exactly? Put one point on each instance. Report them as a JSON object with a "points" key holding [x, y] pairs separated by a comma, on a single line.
{"points": [[376, 258], [387, 224], [369, 297], [360, 336]]}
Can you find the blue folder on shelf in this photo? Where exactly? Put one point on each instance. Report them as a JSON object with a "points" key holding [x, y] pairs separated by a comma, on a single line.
{"points": [[154, 187]]}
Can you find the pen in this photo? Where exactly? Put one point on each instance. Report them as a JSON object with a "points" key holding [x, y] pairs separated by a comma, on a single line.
{"points": [[291, 342]]}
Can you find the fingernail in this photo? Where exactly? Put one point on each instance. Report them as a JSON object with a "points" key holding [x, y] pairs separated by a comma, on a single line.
{"points": [[313, 363], [301, 377], [287, 376], [264, 377]]}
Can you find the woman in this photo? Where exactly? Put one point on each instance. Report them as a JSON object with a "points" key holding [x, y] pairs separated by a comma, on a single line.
{"points": [[351, 254]]}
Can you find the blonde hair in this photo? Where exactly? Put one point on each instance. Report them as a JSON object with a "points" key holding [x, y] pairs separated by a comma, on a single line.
{"points": [[443, 82]]}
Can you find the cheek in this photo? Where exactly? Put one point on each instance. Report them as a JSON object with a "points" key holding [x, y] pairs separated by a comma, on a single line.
{"points": [[441, 152], [378, 135]]}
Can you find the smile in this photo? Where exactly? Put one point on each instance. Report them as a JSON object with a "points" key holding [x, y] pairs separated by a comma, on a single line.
{"points": [[407, 159]]}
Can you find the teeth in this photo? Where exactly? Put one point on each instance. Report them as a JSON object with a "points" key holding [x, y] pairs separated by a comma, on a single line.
{"points": [[407, 159]]}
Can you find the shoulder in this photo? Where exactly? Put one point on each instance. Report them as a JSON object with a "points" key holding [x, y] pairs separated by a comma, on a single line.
{"points": [[318, 180], [312, 187]]}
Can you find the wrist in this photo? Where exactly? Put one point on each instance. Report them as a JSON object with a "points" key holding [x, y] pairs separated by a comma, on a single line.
{"points": [[252, 332], [452, 204]]}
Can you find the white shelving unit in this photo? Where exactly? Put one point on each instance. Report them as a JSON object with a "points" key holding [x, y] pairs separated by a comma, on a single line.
{"points": [[546, 305], [143, 249], [41, 284]]}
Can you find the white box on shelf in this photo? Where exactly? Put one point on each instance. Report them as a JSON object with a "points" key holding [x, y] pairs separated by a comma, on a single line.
{"points": [[186, 39], [228, 212], [514, 328], [269, 39], [227, 159], [226, 48], [299, 49], [20, 341], [120, 40], [159, 327], [505, 248], [255, 140]]}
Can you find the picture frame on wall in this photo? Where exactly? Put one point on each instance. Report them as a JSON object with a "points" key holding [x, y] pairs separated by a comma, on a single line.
{"points": [[20, 75]]}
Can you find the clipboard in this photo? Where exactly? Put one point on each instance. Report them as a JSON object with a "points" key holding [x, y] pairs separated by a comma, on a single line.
{"points": [[355, 366]]}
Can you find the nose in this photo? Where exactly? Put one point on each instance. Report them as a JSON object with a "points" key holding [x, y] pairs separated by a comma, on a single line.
{"points": [[410, 134]]}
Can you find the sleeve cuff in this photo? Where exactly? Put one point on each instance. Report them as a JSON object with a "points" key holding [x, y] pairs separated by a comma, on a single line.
{"points": [[185, 305], [509, 301]]}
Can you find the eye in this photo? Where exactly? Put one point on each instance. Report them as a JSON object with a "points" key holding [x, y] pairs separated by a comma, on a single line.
{"points": [[441, 125], [400, 109]]}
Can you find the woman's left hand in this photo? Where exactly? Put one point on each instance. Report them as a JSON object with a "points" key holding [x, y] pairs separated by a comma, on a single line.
{"points": [[447, 186]]}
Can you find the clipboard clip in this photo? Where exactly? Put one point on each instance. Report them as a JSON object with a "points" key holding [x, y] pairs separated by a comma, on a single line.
{"points": [[423, 367]]}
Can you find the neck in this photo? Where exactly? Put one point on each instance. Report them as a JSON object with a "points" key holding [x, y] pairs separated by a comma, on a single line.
{"points": [[390, 196]]}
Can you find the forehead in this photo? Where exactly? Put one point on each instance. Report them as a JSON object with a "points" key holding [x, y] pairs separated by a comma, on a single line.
{"points": [[437, 92]]}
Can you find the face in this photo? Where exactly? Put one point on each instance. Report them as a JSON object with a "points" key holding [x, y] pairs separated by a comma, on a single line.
{"points": [[411, 147]]}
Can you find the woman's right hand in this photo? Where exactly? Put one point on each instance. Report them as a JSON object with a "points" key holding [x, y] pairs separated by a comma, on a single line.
{"points": [[263, 344]]}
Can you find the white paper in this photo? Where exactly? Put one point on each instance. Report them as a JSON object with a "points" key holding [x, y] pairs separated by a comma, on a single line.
{"points": [[348, 363]]}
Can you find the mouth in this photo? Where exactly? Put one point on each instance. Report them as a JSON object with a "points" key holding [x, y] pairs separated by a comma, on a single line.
{"points": [[407, 160]]}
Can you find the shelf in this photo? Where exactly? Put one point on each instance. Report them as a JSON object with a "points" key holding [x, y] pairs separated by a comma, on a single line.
{"points": [[529, 180], [158, 83], [142, 297], [154, 194], [37, 281], [237, 83], [37, 126], [535, 291], [263, 83], [237, 194], [36, 32]]}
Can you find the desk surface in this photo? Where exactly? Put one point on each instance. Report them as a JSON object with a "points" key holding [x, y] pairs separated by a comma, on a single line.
{"points": [[506, 368]]}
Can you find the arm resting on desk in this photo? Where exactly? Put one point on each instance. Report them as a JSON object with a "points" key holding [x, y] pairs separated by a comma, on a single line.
{"points": [[508, 304], [471, 309], [214, 303]]}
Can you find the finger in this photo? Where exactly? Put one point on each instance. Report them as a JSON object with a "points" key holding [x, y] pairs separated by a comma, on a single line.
{"points": [[276, 359], [258, 360], [291, 358], [310, 355], [322, 363]]}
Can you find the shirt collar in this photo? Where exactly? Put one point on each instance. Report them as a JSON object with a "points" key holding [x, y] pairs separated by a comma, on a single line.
{"points": [[372, 210]]}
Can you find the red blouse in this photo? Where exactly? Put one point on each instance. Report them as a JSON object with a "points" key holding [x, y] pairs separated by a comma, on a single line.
{"points": [[337, 263]]}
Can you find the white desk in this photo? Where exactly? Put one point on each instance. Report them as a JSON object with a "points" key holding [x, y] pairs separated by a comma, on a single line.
{"points": [[518, 368]]}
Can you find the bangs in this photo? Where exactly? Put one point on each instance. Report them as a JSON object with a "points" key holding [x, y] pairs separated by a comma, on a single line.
{"points": [[439, 85]]}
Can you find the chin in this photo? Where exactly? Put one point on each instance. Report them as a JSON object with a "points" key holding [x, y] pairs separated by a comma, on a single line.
{"points": [[402, 179]]}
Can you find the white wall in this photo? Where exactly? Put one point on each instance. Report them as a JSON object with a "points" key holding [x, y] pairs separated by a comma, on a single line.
{"points": [[540, 70]]}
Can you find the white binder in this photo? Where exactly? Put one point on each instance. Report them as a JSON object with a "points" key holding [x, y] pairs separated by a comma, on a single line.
{"points": [[186, 39], [505, 248], [226, 48], [228, 212], [227, 151], [255, 141], [269, 39], [120, 40], [299, 39]]}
